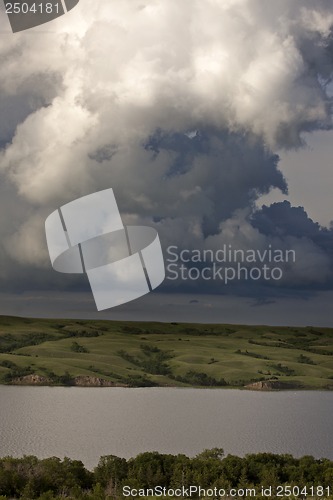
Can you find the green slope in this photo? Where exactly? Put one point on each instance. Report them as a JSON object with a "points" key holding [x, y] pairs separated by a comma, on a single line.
{"points": [[165, 354]]}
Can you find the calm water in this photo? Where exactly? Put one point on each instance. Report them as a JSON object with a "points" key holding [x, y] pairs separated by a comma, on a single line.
{"points": [[85, 423]]}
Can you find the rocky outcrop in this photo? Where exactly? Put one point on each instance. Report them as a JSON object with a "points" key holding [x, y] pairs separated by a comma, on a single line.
{"points": [[270, 385], [88, 381], [32, 379], [80, 381]]}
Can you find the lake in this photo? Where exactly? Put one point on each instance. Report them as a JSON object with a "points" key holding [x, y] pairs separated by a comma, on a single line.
{"points": [[85, 423]]}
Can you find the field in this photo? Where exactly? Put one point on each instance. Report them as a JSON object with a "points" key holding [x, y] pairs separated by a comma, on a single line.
{"points": [[164, 354]]}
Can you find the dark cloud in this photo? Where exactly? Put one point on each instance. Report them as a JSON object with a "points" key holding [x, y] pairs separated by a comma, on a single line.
{"points": [[283, 220], [24, 98], [229, 170], [181, 121]]}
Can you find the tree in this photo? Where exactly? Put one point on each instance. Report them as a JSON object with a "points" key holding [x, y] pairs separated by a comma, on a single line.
{"points": [[109, 473], [213, 453], [207, 466]]}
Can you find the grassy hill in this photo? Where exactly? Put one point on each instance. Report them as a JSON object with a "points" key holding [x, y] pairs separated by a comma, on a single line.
{"points": [[164, 354]]}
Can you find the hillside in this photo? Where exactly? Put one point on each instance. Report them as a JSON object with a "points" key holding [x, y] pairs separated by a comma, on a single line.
{"points": [[89, 352]]}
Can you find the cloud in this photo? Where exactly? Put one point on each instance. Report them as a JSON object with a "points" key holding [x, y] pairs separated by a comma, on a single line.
{"points": [[134, 67], [179, 106]]}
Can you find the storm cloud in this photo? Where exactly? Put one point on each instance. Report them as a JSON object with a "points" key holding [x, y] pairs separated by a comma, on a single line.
{"points": [[180, 107]]}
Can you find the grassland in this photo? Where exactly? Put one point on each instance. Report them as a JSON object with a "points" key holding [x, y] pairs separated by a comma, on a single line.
{"points": [[165, 354]]}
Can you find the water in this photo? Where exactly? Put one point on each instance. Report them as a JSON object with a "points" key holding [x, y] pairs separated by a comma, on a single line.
{"points": [[85, 423]]}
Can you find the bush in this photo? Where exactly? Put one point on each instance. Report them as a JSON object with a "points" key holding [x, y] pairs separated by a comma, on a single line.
{"points": [[75, 347]]}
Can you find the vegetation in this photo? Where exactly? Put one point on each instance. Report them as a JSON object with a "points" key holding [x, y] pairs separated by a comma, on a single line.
{"points": [[51, 479], [164, 354], [305, 359], [283, 369], [75, 347], [200, 379]]}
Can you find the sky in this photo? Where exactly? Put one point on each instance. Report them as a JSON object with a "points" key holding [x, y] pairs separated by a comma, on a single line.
{"points": [[212, 122]]}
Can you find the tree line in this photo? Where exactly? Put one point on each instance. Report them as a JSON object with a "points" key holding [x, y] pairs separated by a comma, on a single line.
{"points": [[31, 478]]}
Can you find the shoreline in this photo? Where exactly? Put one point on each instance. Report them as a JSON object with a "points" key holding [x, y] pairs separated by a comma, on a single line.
{"points": [[97, 382]]}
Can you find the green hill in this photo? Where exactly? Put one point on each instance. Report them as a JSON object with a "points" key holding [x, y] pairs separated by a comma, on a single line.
{"points": [[89, 352]]}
